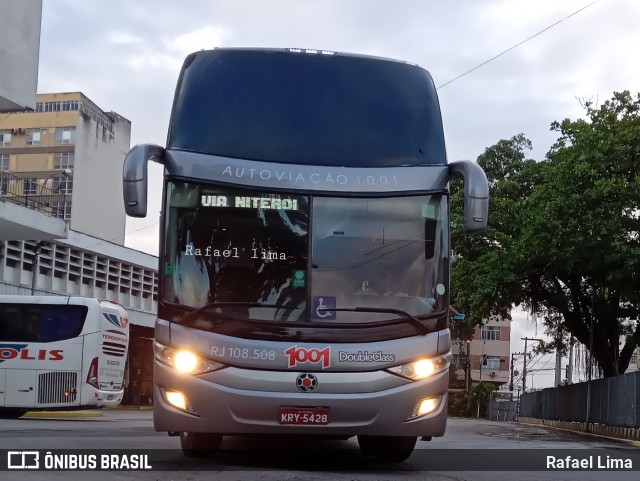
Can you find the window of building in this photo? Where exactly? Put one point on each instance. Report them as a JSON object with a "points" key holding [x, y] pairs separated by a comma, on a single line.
{"points": [[69, 105], [4, 162], [61, 210], [52, 106], [33, 136], [30, 186], [491, 363], [491, 333], [65, 135], [63, 160], [63, 185], [5, 137], [634, 358]]}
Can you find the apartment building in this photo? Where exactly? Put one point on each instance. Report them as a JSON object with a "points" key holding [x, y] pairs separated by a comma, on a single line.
{"points": [[486, 356], [72, 150]]}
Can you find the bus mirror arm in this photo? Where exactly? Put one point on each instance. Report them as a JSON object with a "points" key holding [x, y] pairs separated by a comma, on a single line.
{"points": [[134, 177], [476, 194]]}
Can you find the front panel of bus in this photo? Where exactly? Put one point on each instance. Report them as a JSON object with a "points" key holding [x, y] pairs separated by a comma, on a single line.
{"points": [[304, 260], [107, 367]]}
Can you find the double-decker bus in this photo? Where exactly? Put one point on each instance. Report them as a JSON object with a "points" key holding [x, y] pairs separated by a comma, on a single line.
{"points": [[61, 353], [304, 258]]}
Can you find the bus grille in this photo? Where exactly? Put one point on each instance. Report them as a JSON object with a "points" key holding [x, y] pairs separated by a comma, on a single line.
{"points": [[57, 387], [114, 349]]}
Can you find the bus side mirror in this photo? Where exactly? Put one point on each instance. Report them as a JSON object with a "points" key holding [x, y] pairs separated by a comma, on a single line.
{"points": [[476, 194], [134, 177]]}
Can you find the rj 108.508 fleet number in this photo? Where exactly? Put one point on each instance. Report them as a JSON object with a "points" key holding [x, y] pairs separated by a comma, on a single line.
{"points": [[243, 353]]}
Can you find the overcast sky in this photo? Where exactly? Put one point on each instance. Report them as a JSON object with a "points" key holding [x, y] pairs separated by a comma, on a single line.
{"points": [[126, 56]]}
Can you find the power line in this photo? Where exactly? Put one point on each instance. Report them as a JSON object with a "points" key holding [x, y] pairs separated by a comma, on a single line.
{"points": [[122, 236], [517, 45], [137, 230]]}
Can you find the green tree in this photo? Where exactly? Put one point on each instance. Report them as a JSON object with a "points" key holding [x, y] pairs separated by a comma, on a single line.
{"points": [[563, 237]]}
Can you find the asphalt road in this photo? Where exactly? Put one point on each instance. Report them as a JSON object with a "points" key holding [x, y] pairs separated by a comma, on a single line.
{"points": [[480, 443]]}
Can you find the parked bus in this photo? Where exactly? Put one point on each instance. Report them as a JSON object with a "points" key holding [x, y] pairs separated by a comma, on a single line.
{"points": [[61, 353], [304, 260]]}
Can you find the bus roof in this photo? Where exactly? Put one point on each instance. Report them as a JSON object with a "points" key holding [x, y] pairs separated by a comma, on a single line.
{"points": [[305, 106]]}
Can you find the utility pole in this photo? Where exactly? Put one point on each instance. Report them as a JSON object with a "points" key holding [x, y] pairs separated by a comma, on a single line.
{"points": [[512, 371], [570, 366], [524, 368], [467, 378], [593, 314], [558, 379], [481, 361]]}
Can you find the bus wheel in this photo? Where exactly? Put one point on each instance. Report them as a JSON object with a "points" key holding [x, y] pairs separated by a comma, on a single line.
{"points": [[387, 448], [200, 445], [11, 413]]}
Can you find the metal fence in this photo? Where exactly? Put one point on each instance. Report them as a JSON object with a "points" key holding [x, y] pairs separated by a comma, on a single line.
{"points": [[30, 193], [615, 401], [502, 410]]}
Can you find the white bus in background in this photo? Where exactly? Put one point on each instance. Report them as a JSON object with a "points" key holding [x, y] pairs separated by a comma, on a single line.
{"points": [[61, 353]]}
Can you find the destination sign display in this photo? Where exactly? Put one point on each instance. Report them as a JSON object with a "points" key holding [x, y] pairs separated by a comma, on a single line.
{"points": [[239, 201]]}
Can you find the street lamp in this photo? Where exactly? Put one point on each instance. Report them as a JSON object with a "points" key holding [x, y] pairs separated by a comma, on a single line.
{"points": [[64, 173]]}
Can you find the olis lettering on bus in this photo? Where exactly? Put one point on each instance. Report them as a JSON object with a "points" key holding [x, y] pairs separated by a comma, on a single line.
{"points": [[302, 355], [25, 354]]}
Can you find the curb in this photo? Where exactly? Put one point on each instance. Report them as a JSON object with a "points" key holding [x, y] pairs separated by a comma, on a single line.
{"points": [[129, 408], [63, 414], [622, 440]]}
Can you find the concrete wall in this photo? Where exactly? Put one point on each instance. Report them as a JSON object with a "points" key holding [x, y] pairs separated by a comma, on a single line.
{"points": [[19, 53], [599, 429], [97, 208], [82, 265]]}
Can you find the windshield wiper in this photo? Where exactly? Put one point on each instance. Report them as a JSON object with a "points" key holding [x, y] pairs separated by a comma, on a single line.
{"points": [[193, 315], [421, 328]]}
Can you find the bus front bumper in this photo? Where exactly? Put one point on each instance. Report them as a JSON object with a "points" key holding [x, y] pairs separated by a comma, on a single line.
{"points": [[227, 410], [105, 399]]}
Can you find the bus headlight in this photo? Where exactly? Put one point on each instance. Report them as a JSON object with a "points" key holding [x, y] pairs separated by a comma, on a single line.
{"points": [[423, 368], [183, 360]]}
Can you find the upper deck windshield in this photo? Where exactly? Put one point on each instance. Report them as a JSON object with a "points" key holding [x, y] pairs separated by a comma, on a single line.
{"points": [[304, 260], [317, 109]]}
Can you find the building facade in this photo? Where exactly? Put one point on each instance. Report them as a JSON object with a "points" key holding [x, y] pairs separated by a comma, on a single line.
{"points": [[19, 53], [486, 357], [74, 151], [63, 162]]}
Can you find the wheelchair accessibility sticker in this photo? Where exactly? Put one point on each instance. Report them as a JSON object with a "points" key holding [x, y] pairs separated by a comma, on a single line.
{"points": [[320, 306]]}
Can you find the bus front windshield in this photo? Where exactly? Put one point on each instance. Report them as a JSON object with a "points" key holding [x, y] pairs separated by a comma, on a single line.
{"points": [[274, 257]]}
